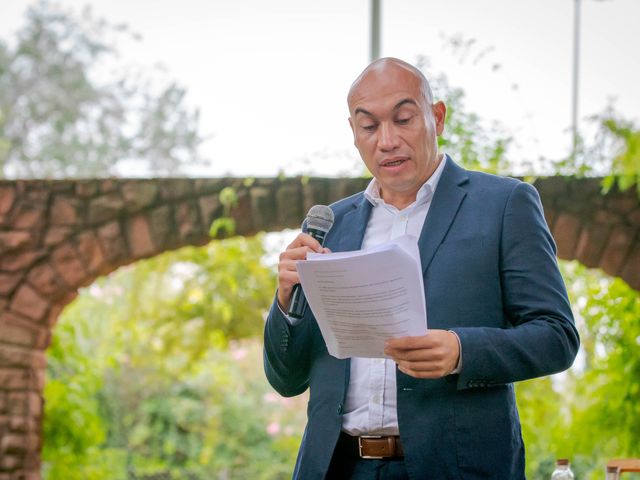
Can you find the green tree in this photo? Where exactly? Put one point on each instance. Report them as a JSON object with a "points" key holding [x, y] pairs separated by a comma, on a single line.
{"points": [[605, 420], [63, 113], [165, 358], [625, 161], [201, 297], [74, 429], [613, 153]]}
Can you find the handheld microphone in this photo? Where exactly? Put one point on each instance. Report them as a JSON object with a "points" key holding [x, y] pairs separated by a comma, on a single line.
{"points": [[318, 222]]}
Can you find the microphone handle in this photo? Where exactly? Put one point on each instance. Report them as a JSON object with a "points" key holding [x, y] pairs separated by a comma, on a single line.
{"points": [[298, 302]]}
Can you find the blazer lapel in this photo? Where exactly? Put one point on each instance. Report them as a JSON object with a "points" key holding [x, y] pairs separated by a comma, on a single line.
{"points": [[444, 207], [354, 225]]}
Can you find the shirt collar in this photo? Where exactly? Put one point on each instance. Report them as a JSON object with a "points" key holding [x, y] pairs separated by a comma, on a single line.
{"points": [[425, 193]]}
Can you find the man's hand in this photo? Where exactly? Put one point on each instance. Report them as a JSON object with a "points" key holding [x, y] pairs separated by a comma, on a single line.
{"points": [[287, 273], [433, 355]]}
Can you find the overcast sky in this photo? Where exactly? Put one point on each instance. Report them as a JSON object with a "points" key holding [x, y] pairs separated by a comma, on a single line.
{"points": [[270, 77]]}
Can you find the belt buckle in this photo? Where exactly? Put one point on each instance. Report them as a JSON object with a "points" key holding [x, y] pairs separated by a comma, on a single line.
{"points": [[367, 457]]}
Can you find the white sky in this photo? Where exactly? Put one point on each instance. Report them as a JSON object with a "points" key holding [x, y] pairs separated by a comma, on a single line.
{"points": [[270, 77]]}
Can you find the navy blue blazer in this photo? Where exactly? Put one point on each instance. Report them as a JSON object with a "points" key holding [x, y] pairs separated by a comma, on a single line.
{"points": [[490, 275]]}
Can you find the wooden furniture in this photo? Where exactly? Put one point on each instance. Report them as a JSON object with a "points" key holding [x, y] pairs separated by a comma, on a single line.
{"points": [[617, 466]]}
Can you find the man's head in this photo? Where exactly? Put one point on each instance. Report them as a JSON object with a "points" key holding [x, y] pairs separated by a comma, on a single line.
{"points": [[395, 127]]}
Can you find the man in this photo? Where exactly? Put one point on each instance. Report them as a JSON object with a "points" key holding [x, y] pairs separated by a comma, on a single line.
{"points": [[443, 405]]}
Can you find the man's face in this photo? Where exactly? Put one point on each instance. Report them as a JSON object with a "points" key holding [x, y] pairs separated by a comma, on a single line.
{"points": [[395, 131]]}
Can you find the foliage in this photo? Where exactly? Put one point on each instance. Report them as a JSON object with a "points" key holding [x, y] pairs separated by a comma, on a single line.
{"points": [[606, 420], [225, 225], [65, 113], [591, 413], [625, 166], [538, 405], [148, 370], [614, 153], [202, 297], [73, 427]]}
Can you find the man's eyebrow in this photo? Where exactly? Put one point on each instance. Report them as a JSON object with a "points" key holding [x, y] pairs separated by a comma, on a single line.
{"points": [[362, 110], [409, 101], [396, 107]]}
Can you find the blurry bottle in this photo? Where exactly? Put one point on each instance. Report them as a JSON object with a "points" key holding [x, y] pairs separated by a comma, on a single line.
{"points": [[612, 473], [562, 471]]}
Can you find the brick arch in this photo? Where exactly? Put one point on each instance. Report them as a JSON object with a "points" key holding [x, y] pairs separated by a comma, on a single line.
{"points": [[57, 236]]}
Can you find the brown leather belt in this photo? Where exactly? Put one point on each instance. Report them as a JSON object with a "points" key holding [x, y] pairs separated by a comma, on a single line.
{"points": [[372, 446]]}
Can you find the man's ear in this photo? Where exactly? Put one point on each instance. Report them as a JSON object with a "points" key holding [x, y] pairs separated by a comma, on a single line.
{"points": [[439, 114]]}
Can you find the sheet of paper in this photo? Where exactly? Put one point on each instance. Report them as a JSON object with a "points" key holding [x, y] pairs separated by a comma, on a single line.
{"points": [[362, 298]]}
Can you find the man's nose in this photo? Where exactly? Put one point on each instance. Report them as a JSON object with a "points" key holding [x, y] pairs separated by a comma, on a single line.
{"points": [[388, 139]]}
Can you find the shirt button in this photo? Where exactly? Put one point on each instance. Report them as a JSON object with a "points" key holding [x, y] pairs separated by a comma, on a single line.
{"points": [[376, 399]]}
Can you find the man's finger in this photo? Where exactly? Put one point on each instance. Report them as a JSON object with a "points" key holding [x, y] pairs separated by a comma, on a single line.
{"points": [[418, 355], [297, 253], [305, 240], [408, 343]]}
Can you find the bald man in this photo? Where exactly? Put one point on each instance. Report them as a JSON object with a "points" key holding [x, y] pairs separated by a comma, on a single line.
{"points": [[442, 405]]}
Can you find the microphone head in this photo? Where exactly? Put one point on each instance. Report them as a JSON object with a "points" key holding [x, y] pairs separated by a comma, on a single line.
{"points": [[320, 217]]}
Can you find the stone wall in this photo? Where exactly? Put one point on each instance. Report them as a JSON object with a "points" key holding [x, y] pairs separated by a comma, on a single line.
{"points": [[58, 236]]}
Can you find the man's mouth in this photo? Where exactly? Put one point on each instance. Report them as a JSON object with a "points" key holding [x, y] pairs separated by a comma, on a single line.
{"points": [[392, 162]]}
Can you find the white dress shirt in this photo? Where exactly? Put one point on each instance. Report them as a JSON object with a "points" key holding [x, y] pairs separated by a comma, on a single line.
{"points": [[371, 404]]}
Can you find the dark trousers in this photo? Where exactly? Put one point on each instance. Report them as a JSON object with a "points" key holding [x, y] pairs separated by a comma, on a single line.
{"points": [[346, 464]]}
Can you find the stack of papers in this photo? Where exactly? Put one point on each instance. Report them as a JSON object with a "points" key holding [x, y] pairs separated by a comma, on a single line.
{"points": [[362, 298]]}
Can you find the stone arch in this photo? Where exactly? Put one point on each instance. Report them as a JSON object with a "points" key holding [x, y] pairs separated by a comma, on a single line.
{"points": [[57, 236], [600, 231]]}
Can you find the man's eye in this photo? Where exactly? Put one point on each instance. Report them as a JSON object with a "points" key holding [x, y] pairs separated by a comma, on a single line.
{"points": [[403, 121], [369, 128]]}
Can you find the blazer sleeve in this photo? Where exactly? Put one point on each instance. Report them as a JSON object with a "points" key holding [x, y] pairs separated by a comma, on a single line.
{"points": [[541, 338], [287, 356]]}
